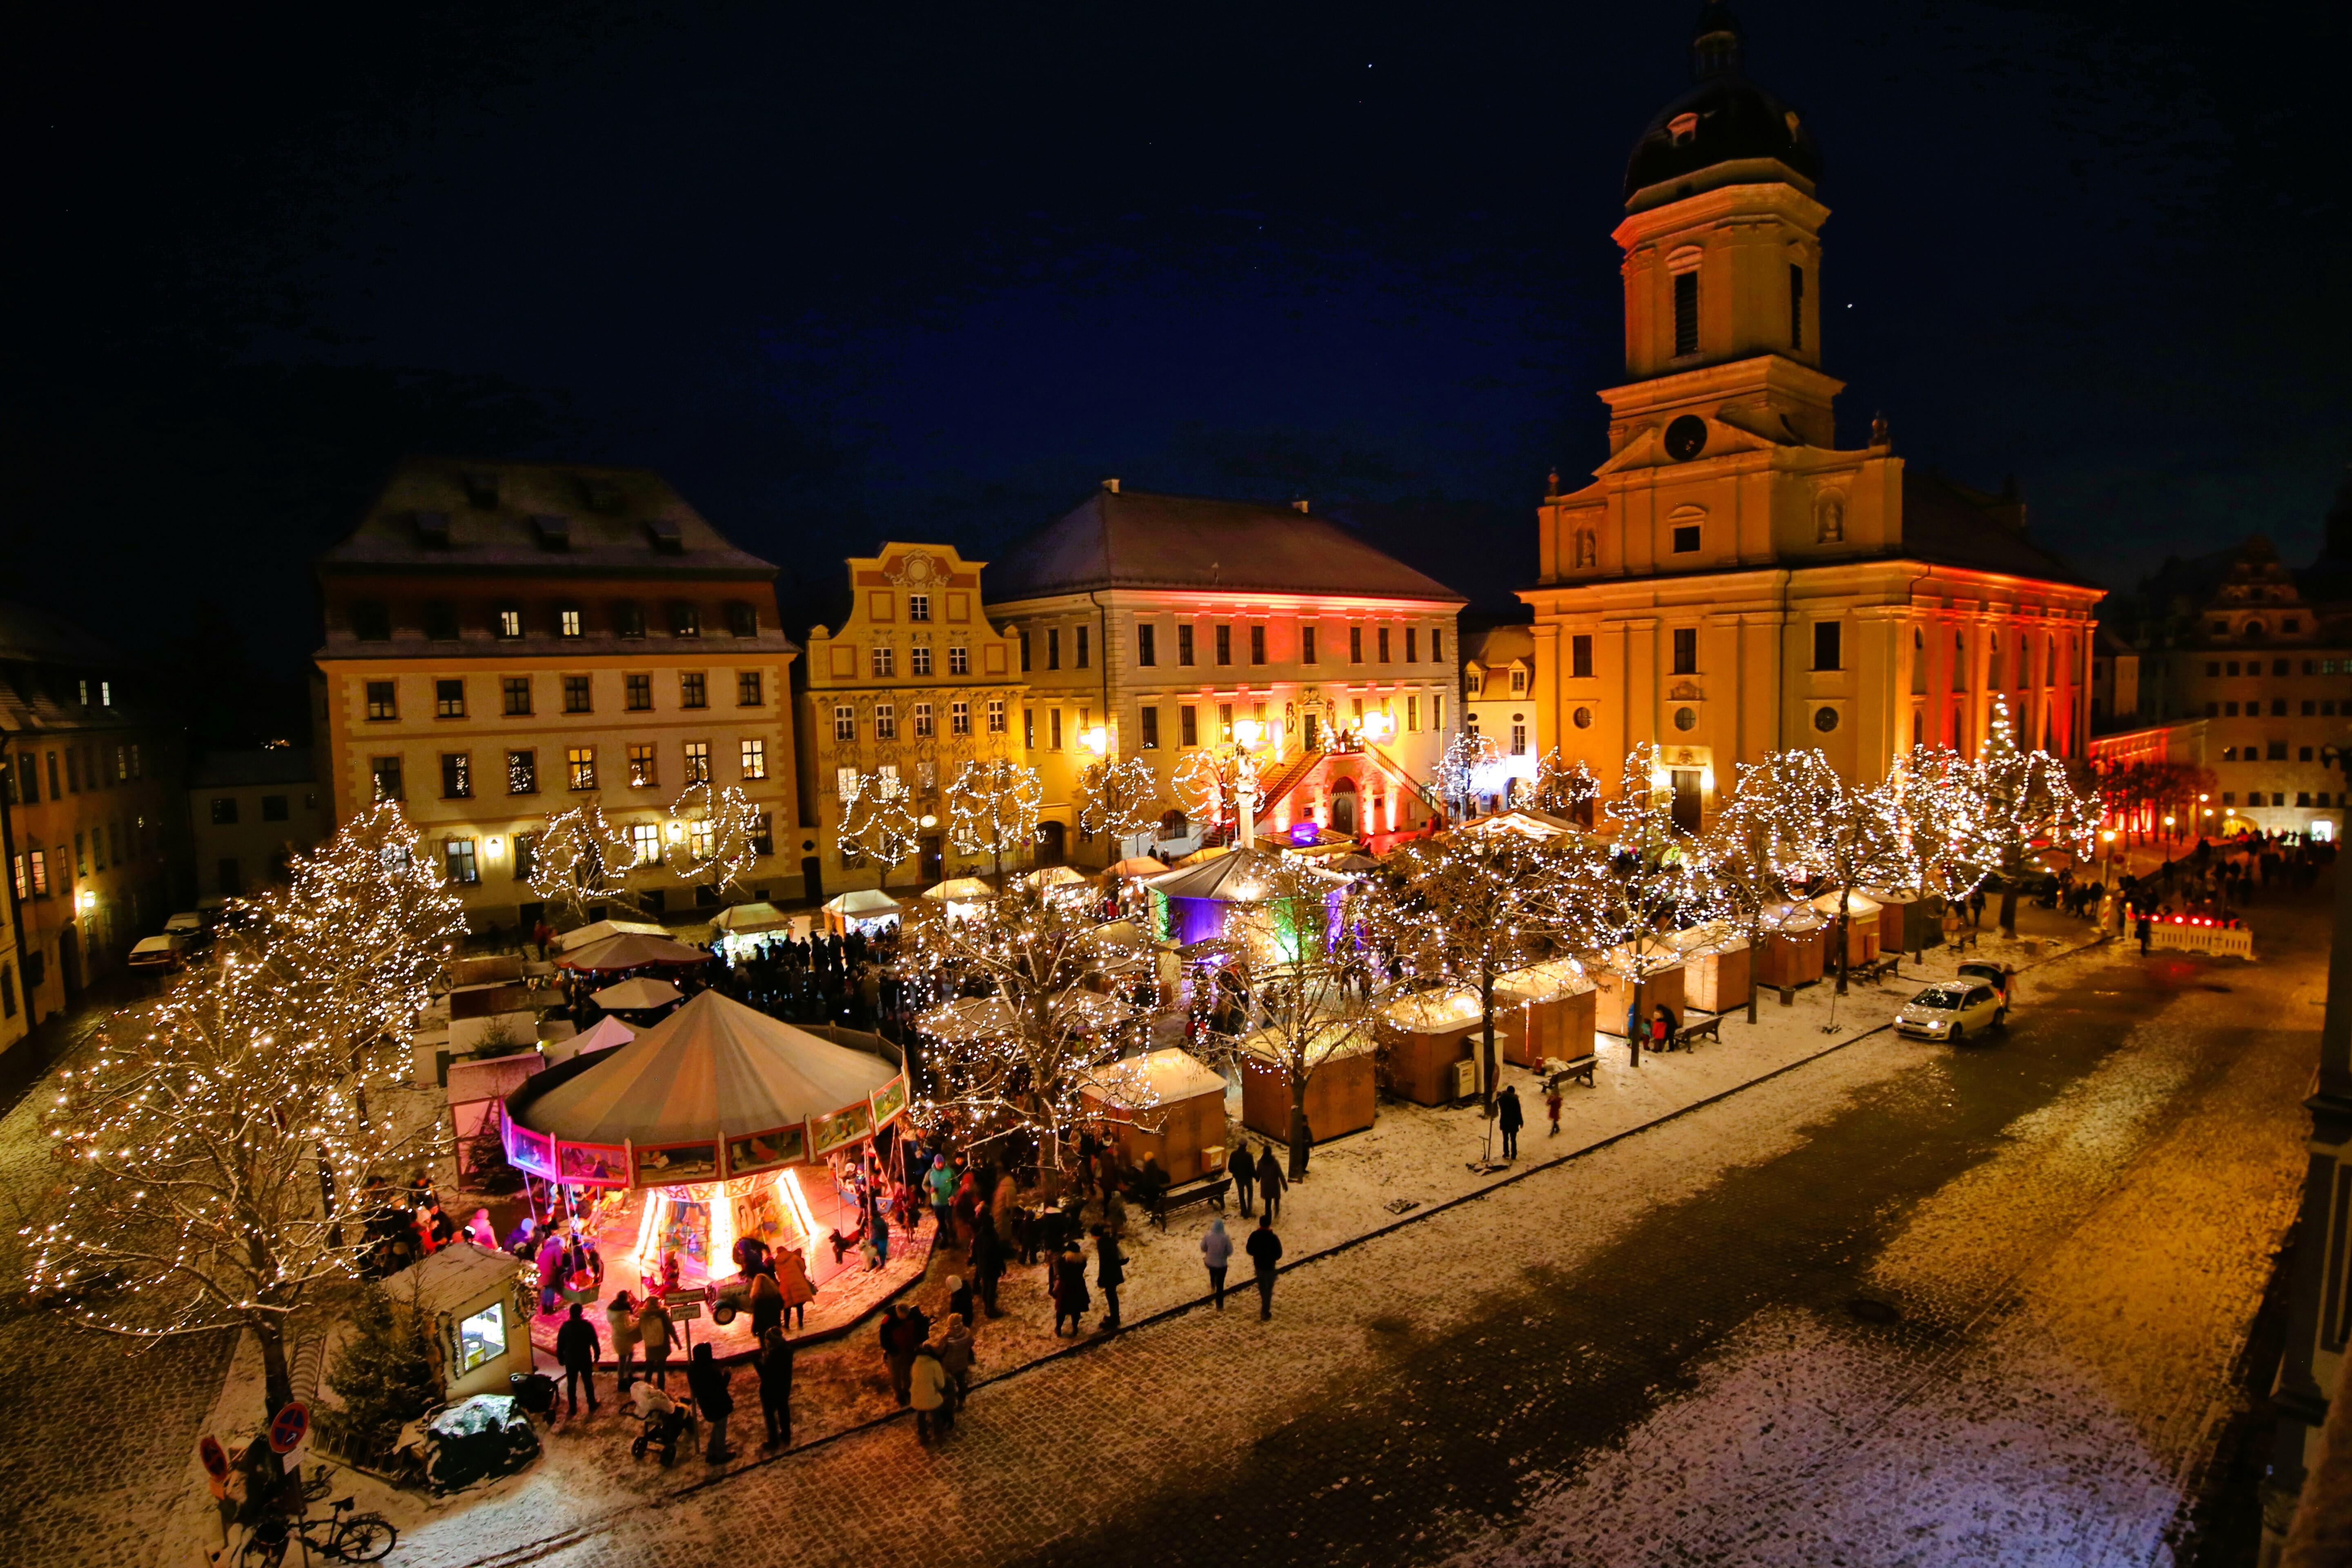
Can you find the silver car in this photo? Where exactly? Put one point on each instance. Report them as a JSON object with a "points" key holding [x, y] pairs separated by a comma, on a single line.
{"points": [[1952, 1010]]}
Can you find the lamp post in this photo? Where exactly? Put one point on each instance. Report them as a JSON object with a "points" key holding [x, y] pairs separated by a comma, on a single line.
{"points": [[1247, 735]]}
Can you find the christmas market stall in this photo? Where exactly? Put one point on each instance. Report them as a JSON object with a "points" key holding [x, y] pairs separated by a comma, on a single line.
{"points": [[737, 929], [961, 898], [1909, 925], [479, 1307], [641, 996], [630, 951], [595, 931], [1342, 1095], [1659, 962], [1545, 1012], [1797, 951], [1241, 895], [1861, 924], [1719, 975], [602, 1035], [718, 1123], [1422, 1036], [868, 910], [1166, 1105]]}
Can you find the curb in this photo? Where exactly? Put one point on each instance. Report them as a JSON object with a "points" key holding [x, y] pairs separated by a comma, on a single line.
{"points": [[531, 1551]]}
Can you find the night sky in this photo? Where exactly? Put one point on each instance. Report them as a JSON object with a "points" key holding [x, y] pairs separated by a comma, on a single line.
{"points": [[887, 270]]}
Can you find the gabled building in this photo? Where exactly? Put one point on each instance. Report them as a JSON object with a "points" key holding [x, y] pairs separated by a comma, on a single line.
{"points": [[504, 640], [1164, 621], [915, 683], [1733, 582], [250, 812], [1501, 704]]}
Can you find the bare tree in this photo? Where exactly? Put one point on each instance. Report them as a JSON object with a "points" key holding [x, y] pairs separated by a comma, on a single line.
{"points": [[993, 806], [1117, 798], [723, 837], [880, 823]]}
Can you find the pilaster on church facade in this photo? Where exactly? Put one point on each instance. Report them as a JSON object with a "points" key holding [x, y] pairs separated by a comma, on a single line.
{"points": [[1733, 583]]}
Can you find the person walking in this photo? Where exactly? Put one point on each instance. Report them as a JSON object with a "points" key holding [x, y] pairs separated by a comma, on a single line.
{"points": [[656, 1331], [1070, 1299], [900, 1339], [1551, 1105], [793, 1280], [1265, 1251], [2145, 928], [1270, 1182], [621, 1329], [942, 1183], [575, 1352], [767, 1306], [1243, 1169], [1217, 1252], [775, 1363], [987, 1260], [960, 1297], [709, 1383], [1510, 1119], [1110, 1273], [929, 1393], [957, 1354]]}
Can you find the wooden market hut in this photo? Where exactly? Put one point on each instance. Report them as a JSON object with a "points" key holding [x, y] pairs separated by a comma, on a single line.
{"points": [[478, 1312], [1545, 1011], [1423, 1035], [1719, 973], [1664, 986], [1165, 1104], [1909, 925], [1797, 951], [863, 910], [1342, 1094], [1861, 924]]}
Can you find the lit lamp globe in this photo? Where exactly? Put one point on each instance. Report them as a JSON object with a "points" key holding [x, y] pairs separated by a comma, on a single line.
{"points": [[1096, 739], [1247, 732]]}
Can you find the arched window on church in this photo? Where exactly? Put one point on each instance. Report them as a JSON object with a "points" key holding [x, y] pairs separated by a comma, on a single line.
{"points": [[1960, 662], [1993, 662], [1918, 662]]}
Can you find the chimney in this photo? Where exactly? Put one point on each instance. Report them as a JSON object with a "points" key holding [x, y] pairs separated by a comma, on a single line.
{"points": [[1298, 505], [1111, 485]]}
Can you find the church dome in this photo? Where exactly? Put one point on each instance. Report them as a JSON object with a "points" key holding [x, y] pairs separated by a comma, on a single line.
{"points": [[1724, 119]]}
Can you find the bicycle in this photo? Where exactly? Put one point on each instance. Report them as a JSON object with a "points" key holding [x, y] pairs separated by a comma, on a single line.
{"points": [[358, 1538]]}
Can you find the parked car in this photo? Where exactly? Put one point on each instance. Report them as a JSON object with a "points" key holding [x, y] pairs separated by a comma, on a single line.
{"points": [[1951, 1010], [187, 922], [159, 954]]}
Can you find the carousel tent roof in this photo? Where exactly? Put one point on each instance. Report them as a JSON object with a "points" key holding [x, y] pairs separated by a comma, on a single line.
{"points": [[713, 1065], [633, 951], [1245, 876], [961, 890], [603, 929], [1207, 853], [635, 995], [607, 1032], [1169, 1074], [743, 919], [866, 901]]}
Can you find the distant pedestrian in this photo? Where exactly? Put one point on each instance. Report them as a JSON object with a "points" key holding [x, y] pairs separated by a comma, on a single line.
{"points": [[934, 1412], [1662, 1029], [1510, 1119], [987, 1260], [709, 1383], [656, 1331], [957, 1354], [1270, 1182], [621, 1329], [775, 1365], [1217, 1252], [2145, 928], [1551, 1105], [902, 1334], [1110, 1273], [793, 1280], [767, 1306], [575, 1352], [1070, 1299], [941, 1184], [1265, 1251], [1306, 1145], [1243, 1171]]}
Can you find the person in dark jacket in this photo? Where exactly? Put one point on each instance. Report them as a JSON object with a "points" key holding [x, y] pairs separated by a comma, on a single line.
{"points": [[776, 1387], [987, 1262], [1110, 1273], [767, 1306], [1510, 1119], [1265, 1251], [1270, 1182], [903, 1331], [1070, 1299], [1243, 1171], [575, 1352], [707, 1382]]}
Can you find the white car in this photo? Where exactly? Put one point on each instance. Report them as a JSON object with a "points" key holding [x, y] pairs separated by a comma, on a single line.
{"points": [[1952, 1010]]}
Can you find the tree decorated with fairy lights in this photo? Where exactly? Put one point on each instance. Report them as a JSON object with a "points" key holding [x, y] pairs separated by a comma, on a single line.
{"points": [[1117, 798], [1453, 779], [1743, 850], [879, 823], [2026, 802], [1657, 880], [1946, 849], [1015, 1055], [993, 804], [581, 860], [221, 1150], [1842, 833], [723, 837], [1562, 789], [1209, 784]]}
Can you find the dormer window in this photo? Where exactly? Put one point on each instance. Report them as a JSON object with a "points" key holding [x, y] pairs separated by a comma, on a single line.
{"points": [[370, 621], [1518, 682], [2254, 629], [601, 495], [742, 619], [567, 621], [667, 536], [432, 529], [481, 490], [629, 619], [1683, 129], [507, 620], [684, 620], [440, 620], [554, 532]]}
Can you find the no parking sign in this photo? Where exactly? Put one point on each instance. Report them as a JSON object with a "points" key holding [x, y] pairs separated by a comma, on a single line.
{"points": [[290, 1426]]}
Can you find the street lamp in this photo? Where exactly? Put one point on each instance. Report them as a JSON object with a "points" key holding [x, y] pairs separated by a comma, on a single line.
{"points": [[1097, 741], [1378, 724], [1247, 732]]}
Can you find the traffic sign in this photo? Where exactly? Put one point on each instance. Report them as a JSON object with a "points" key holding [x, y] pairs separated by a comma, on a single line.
{"points": [[214, 1457], [286, 1431], [680, 1311]]}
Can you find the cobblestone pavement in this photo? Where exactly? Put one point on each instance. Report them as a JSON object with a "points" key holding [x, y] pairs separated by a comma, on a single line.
{"points": [[1905, 1304]]}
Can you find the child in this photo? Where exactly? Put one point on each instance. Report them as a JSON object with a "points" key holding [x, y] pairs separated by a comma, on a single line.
{"points": [[1551, 1105]]}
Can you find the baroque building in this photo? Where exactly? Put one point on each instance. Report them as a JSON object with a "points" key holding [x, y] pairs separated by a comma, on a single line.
{"points": [[914, 684], [1165, 622], [1733, 582], [504, 640]]}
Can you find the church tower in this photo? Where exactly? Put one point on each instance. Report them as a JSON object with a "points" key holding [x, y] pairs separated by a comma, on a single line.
{"points": [[1732, 583]]}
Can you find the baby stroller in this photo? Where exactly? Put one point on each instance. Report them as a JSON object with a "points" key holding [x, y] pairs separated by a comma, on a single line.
{"points": [[666, 1422]]}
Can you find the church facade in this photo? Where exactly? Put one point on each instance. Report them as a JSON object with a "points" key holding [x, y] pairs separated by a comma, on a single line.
{"points": [[1732, 582]]}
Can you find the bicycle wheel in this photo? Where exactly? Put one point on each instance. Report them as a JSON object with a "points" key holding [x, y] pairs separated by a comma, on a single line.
{"points": [[363, 1538], [262, 1551]]}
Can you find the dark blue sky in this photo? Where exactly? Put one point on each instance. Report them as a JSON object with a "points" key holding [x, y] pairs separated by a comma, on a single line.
{"points": [[935, 271]]}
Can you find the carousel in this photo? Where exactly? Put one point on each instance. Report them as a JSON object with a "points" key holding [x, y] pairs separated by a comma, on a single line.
{"points": [[716, 1123]]}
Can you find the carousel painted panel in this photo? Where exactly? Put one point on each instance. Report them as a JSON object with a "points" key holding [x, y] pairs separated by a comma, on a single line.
{"points": [[890, 1101], [531, 1151], [753, 1153], [668, 1164], [843, 1127], [593, 1164]]}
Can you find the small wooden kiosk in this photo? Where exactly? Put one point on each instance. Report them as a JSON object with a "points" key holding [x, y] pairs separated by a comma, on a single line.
{"points": [[1663, 986], [1910, 925], [1165, 1104], [1720, 980], [1551, 1013], [1423, 1035], [1861, 924], [1797, 951], [479, 1314], [1342, 1095]]}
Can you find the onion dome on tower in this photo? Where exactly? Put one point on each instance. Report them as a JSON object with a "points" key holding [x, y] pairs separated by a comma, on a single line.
{"points": [[1725, 127]]}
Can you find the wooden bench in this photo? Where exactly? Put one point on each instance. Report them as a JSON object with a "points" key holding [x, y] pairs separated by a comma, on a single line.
{"points": [[1690, 1035], [1966, 937], [1575, 1068], [1880, 968], [1212, 1191]]}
